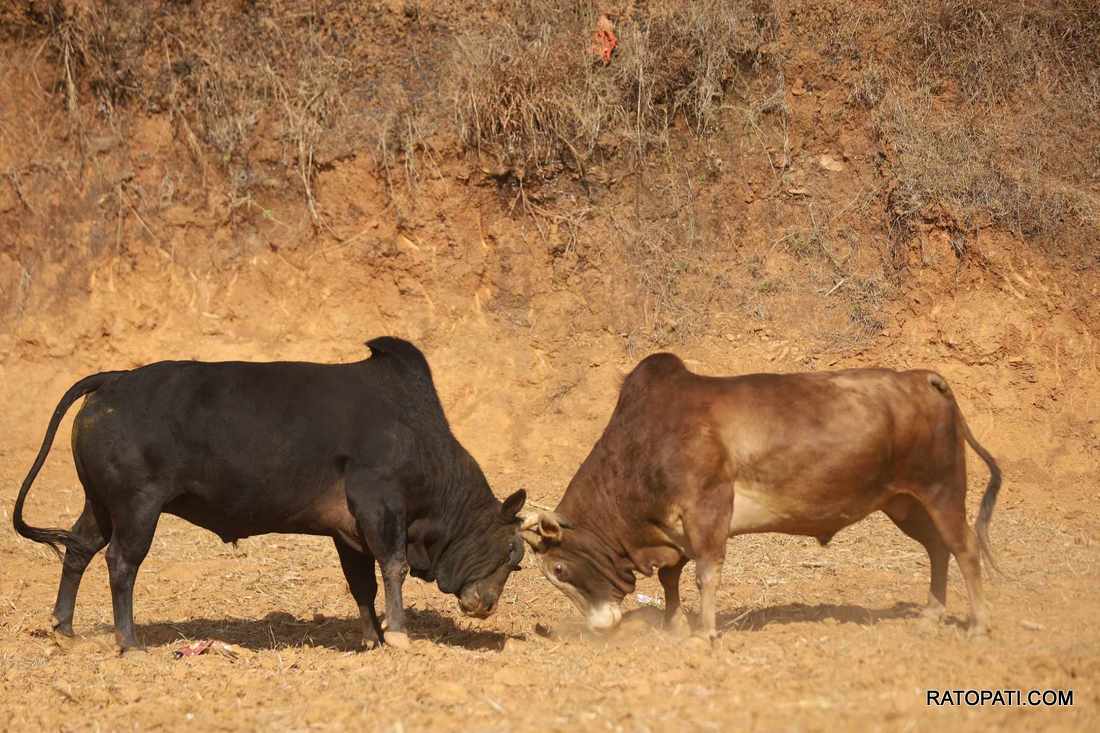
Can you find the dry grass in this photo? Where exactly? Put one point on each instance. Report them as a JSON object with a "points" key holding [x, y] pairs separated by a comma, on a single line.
{"points": [[828, 240], [870, 87], [529, 93], [535, 106], [957, 169], [667, 264], [230, 78], [966, 122], [993, 49], [530, 102], [962, 98]]}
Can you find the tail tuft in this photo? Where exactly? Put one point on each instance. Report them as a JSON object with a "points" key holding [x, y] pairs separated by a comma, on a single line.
{"points": [[985, 510]]}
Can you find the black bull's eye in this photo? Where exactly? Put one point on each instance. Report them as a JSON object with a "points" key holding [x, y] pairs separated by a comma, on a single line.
{"points": [[515, 553]]}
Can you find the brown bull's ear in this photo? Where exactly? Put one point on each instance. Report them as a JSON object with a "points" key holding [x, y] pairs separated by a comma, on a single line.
{"points": [[509, 510], [542, 527], [549, 527]]}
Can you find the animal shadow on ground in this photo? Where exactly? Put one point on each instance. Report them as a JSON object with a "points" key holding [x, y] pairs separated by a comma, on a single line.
{"points": [[751, 618], [756, 619], [279, 629]]}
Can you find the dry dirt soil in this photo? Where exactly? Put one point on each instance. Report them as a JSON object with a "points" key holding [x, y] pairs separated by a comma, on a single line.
{"points": [[134, 249]]}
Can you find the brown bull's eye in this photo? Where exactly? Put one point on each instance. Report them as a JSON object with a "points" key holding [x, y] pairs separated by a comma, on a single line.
{"points": [[559, 571]]}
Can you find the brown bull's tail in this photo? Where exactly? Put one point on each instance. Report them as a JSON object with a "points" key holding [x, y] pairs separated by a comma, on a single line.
{"points": [[55, 537], [989, 498]]}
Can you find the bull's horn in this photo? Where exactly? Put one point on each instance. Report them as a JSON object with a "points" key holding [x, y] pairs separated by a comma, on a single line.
{"points": [[532, 538]]}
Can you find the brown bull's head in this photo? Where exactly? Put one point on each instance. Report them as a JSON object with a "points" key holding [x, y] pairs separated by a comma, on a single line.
{"points": [[580, 564]]}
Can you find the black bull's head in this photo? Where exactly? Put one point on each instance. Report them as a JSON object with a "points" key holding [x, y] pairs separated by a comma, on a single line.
{"points": [[501, 550]]}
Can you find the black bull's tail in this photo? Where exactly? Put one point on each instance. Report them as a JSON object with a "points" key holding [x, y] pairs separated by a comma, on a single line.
{"points": [[989, 498], [55, 537]]}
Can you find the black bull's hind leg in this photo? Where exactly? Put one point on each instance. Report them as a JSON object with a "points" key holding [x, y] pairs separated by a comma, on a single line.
{"points": [[377, 501], [135, 522], [92, 528]]}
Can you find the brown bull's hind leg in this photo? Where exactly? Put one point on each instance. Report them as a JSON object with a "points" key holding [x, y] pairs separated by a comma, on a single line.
{"points": [[912, 519], [949, 516]]}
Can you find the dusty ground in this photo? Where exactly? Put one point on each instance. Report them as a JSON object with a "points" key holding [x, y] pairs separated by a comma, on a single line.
{"points": [[773, 245], [813, 638]]}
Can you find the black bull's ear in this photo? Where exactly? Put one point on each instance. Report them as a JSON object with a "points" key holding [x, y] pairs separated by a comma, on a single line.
{"points": [[511, 507]]}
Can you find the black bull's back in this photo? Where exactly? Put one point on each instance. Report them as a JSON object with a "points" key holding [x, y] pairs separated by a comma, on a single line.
{"points": [[360, 452], [240, 448]]}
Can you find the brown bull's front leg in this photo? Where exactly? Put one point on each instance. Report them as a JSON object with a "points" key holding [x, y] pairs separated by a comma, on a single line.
{"points": [[708, 575], [670, 582], [707, 530]]}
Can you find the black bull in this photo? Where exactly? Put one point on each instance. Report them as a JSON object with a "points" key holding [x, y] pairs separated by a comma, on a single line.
{"points": [[358, 452]]}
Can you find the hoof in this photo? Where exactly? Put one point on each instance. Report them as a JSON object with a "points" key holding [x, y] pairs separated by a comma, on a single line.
{"points": [[63, 642], [678, 626], [932, 615], [397, 639], [64, 628], [66, 631], [978, 631], [371, 637], [133, 652], [701, 641]]}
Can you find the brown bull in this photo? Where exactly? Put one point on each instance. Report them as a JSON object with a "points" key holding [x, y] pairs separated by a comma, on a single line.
{"points": [[687, 462]]}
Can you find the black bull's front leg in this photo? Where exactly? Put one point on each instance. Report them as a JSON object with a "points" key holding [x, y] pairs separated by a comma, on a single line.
{"points": [[377, 501], [359, 572]]}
